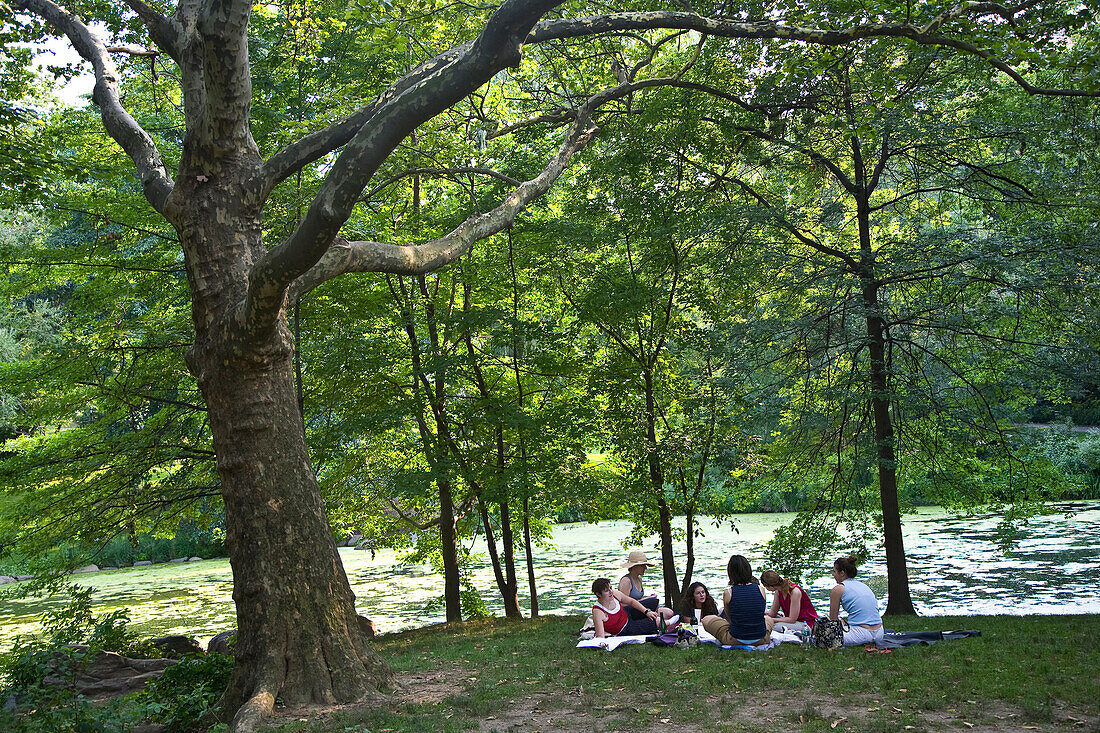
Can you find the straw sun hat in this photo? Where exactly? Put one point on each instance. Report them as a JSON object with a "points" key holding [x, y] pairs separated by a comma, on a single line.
{"points": [[637, 557]]}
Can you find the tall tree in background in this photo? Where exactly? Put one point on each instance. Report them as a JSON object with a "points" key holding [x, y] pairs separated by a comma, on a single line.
{"points": [[892, 310], [648, 299]]}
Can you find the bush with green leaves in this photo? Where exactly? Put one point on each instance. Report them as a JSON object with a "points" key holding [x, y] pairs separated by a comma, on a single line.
{"points": [[66, 631], [185, 692], [71, 636]]}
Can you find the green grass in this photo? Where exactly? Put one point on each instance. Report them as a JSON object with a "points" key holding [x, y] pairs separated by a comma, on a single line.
{"points": [[1030, 670]]}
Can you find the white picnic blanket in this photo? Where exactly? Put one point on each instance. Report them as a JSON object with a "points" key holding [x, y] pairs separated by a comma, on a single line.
{"points": [[611, 643]]}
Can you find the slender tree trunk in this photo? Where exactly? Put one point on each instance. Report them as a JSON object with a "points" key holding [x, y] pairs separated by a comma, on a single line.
{"points": [[507, 538], [435, 390], [531, 587], [491, 544], [510, 590], [657, 482], [899, 600], [506, 580], [517, 351], [689, 567], [508, 594], [448, 538]]}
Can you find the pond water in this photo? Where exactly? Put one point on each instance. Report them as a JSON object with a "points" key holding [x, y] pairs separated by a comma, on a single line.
{"points": [[955, 567]]}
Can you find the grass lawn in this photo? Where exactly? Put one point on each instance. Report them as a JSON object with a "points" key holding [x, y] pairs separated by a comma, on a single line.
{"points": [[1023, 673]]}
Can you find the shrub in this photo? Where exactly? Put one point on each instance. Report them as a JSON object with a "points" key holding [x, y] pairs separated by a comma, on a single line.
{"points": [[185, 692]]}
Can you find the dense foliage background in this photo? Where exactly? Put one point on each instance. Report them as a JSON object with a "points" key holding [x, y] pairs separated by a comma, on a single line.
{"points": [[679, 329]]}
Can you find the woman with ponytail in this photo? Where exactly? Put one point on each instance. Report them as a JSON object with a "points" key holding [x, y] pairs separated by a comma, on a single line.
{"points": [[864, 622], [791, 608]]}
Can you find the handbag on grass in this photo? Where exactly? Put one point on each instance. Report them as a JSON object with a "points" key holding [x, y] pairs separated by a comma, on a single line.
{"points": [[827, 633]]}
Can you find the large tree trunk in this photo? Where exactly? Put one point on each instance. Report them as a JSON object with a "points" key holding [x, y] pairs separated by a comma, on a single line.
{"points": [[298, 631]]}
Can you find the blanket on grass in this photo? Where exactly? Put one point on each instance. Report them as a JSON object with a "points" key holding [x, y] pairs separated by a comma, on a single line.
{"points": [[895, 639], [611, 643]]}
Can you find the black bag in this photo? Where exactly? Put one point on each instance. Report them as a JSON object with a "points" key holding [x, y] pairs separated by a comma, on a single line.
{"points": [[827, 634]]}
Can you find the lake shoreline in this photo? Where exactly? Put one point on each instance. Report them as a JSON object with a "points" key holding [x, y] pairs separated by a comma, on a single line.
{"points": [[955, 567]]}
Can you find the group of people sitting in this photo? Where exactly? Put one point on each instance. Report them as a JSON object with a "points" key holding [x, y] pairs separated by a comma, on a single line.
{"points": [[745, 618]]}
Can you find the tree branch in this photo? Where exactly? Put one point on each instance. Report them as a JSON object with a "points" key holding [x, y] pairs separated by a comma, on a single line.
{"points": [[344, 256], [313, 146], [724, 28], [156, 183], [452, 172], [167, 34], [497, 47]]}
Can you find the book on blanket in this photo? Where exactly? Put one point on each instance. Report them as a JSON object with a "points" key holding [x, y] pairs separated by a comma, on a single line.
{"points": [[611, 643]]}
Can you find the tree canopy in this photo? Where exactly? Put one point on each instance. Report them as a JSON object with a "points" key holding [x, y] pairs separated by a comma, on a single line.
{"points": [[840, 177]]}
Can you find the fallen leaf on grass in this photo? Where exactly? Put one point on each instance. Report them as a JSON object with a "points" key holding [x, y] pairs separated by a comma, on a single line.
{"points": [[871, 710], [968, 725], [837, 722], [801, 719], [666, 721], [849, 669], [903, 690]]}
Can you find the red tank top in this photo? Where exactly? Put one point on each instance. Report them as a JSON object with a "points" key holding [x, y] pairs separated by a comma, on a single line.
{"points": [[806, 611], [615, 621]]}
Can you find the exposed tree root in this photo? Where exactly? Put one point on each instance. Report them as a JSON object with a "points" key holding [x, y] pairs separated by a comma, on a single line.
{"points": [[254, 713]]}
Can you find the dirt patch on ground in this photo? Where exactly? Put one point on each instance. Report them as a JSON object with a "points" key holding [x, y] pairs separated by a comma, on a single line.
{"points": [[791, 712], [576, 710]]}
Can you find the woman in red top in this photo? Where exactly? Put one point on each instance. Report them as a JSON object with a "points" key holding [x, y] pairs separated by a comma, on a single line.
{"points": [[609, 613], [791, 608]]}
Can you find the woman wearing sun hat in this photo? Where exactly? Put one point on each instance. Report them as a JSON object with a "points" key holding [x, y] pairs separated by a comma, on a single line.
{"points": [[631, 585]]}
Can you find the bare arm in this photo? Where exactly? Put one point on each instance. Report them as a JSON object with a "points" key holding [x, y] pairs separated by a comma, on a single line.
{"points": [[598, 617], [774, 610], [628, 601], [834, 601]]}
